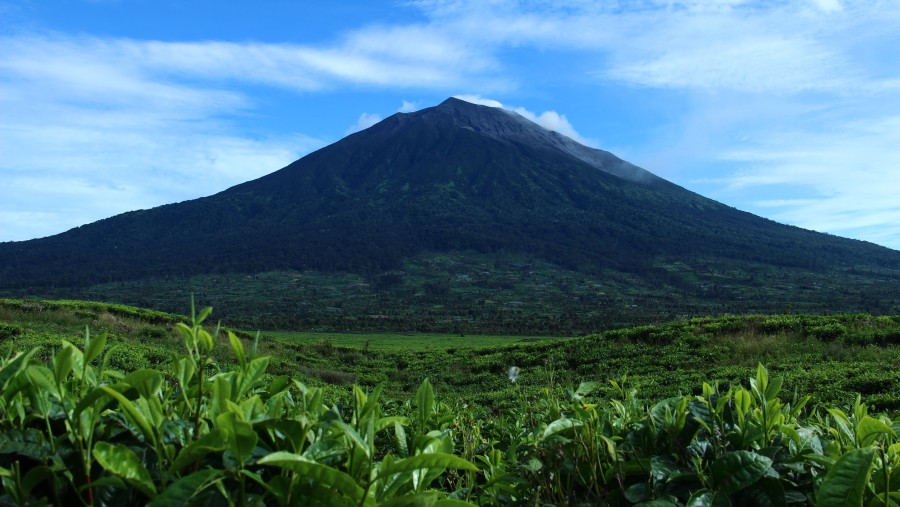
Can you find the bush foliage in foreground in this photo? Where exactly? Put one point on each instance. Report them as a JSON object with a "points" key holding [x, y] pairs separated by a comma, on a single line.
{"points": [[74, 432]]}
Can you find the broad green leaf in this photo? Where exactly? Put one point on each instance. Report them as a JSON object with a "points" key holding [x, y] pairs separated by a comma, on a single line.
{"points": [[123, 462], [760, 383], [255, 370], [241, 437], [663, 467], [91, 397], [400, 438], [560, 425], [205, 341], [707, 498], [41, 377], [238, 348], [214, 441], [434, 460], [62, 362], [204, 313], [773, 388], [734, 471], [182, 491], [315, 472], [870, 428], [767, 492], [384, 422], [743, 401], [36, 476], [94, 347], [425, 404], [148, 383], [845, 483], [452, 502], [245, 439], [15, 366], [354, 436], [136, 417], [426, 499]]}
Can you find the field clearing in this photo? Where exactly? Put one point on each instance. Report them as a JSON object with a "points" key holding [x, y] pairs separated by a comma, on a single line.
{"points": [[404, 341]]}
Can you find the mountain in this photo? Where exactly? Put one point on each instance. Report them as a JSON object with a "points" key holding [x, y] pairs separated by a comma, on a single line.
{"points": [[457, 177]]}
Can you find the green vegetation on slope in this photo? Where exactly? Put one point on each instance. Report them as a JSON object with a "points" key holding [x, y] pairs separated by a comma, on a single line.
{"points": [[472, 293], [74, 431]]}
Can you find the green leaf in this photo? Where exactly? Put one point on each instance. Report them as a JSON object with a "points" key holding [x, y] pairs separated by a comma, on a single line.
{"points": [[452, 502], [204, 313], [15, 366], [845, 483], [736, 470], [437, 460], [315, 472], [767, 492], [427, 499], [63, 361], [123, 462], [238, 349], [354, 437], [182, 491], [707, 498], [425, 404], [385, 422], [743, 401], [241, 437], [214, 441], [400, 438], [773, 388], [41, 377], [560, 425], [148, 383], [255, 370], [94, 346], [136, 417], [870, 428], [36, 476]]}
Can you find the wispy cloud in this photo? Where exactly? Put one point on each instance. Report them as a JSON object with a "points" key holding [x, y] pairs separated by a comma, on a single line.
{"points": [[550, 120], [365, 121]]}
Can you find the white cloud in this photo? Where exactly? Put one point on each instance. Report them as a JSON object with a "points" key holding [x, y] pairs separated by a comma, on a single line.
{"points": [[364, 121], [846, 178], [89, 132], [478, 99], [550, 120], [408, 107]]}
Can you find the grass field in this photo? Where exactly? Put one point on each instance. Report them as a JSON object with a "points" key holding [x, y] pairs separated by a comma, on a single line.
{"points": [[402, 341]]}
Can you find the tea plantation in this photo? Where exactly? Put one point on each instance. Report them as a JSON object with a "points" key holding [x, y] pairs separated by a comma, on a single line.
{"points": [[113, 405]]}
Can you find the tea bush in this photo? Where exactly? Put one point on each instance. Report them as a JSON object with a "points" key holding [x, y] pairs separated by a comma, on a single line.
{"points": [[75, 429]]}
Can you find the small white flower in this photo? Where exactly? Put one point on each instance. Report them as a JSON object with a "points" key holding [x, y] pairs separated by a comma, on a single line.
{"points": [[513, 373]]}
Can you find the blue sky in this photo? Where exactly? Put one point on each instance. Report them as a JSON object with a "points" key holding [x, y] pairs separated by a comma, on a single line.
{"points": [[789, 109]]}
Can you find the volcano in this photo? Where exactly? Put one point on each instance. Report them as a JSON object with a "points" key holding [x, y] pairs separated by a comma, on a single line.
{"points": [[457, 177]]}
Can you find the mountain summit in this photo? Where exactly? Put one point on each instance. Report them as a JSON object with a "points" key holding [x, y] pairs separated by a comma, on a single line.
{"points": [[457, 177], [509, 127]]}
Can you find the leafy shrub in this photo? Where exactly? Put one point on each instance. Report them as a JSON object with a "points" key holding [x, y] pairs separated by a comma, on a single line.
{"points": [[9, 331], [335, 377], [828, 332]]}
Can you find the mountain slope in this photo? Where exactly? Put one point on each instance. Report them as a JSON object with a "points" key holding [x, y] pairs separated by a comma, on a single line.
{"points": [[454, 177]]}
